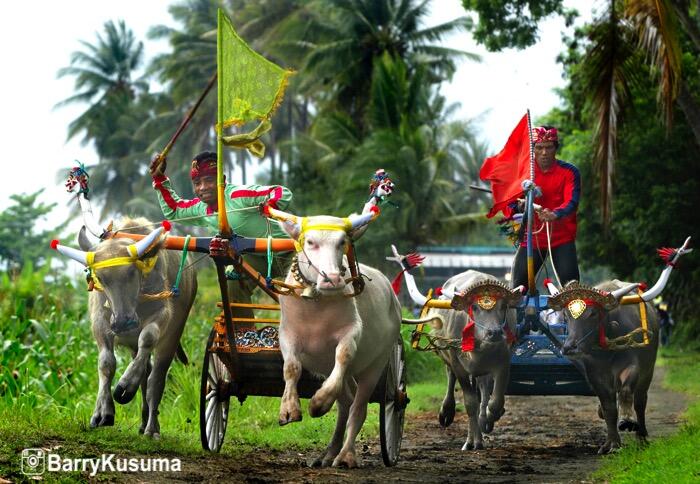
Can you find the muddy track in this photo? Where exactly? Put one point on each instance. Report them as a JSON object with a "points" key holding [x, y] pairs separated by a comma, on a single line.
{"points": [[539, 439]]}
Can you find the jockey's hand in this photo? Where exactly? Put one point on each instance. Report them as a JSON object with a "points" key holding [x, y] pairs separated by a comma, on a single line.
{"points": [[547, 215], [158, 165]]}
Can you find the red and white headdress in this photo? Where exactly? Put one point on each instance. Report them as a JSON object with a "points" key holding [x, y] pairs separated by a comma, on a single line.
{"points": [[541, 134]]}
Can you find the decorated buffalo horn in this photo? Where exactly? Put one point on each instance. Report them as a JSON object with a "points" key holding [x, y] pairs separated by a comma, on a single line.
{"points": [[553, 291], [360, 220], [83, 241], [657, 288], [413, 291], [435, 320], [143, 245], [280, 215], [517, 295], [618, 293], [75, 254], [90, 222]]}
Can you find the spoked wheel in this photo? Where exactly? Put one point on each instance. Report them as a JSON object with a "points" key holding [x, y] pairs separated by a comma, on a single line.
{"points": [[213, 400], [393, 407]]}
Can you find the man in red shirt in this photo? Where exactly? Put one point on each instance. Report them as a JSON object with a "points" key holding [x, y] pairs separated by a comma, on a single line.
{"points": [[560, 184]]}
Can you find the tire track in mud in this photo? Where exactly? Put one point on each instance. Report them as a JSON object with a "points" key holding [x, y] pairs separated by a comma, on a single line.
{"points": [[539, 439]]}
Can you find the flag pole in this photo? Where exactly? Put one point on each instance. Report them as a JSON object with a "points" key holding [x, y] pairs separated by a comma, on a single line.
{"points": [[531, 289], [224, 229], [188, 117]]}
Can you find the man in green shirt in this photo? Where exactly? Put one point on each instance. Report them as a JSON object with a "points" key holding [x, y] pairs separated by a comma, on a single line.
{"points": [[242, 202]]}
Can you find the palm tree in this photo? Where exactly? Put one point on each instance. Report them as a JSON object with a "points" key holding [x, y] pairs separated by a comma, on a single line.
{"points": [[104, 78], [628, 33], [103, 74], [351, 34]]}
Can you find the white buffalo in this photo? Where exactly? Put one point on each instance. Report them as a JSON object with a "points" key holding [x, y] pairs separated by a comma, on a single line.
{"points": [[330, 332]]}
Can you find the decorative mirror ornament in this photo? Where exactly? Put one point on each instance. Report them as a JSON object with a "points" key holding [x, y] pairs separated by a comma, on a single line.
{"points": [[576, 308], [486, 302]]}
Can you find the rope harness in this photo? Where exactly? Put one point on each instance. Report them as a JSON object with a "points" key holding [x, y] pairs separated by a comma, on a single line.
{"points": [[144, 266], [308, 288], [467, 342]]}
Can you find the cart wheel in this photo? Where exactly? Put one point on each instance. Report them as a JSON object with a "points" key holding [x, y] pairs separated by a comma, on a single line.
{"points": [[393, 408], [213, 400]]}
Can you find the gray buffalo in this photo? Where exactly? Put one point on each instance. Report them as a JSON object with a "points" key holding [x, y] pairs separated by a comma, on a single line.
{"points": [[594, 317], [346, 339], [606, 336], [124, 271], [474, 342]]}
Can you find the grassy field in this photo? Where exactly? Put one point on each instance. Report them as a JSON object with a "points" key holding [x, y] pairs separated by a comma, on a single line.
{"points": [[48, 384], [672, 459]]}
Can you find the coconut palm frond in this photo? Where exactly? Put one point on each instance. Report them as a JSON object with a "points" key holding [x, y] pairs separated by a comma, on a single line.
{"points": [[658, 37], [609, 84]]}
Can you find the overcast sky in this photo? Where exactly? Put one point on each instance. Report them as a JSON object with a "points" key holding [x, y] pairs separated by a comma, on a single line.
{"points": [[36, 39]]}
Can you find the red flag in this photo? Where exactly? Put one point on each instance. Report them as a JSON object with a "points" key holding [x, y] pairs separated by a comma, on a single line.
{"points": [[508, 169]]}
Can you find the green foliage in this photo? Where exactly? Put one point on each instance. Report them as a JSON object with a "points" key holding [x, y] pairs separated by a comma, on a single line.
{"points": [[670, 459], [19, 239], [513, 23], [654, 194]]}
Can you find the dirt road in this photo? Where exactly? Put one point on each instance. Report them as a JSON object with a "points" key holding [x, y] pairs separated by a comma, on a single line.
{"points": [[539, 439]]}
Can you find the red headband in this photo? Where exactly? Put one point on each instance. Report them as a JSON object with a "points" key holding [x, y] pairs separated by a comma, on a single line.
{"points": [[203, 168], [541, 135]]}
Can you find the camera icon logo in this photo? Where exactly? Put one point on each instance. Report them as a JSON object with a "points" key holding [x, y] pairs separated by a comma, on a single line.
{"points": [[33, 462]]}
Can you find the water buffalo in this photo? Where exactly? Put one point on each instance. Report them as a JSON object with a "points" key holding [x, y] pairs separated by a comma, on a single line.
{"points": [[484, 322], [346, 339], [619, 368], [123, 271], [594, 316]]}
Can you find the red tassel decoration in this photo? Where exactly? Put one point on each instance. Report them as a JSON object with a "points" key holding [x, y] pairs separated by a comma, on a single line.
{"points": [[547, 281], [468, 337], [510, 337], [414, 259], [396, 283], [167, 225], [667, 254], [601, 336], [54, 243], [438, 291]]}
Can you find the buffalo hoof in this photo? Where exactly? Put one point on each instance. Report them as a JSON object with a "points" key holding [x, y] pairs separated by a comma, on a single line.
{"points": [[609, 448], [627, 425], [318, 407], [346, 459], [324, 460], [446, 418], [473, 446], [102, 421], [122, 394], [289, 416], [486, 425]]}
